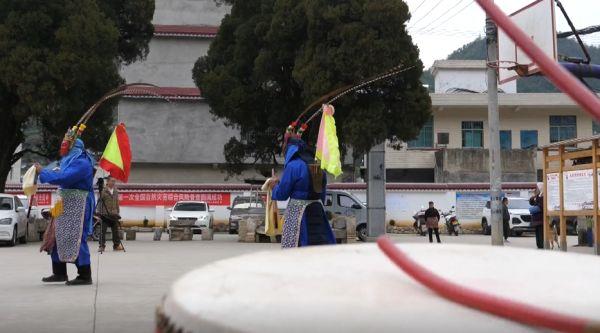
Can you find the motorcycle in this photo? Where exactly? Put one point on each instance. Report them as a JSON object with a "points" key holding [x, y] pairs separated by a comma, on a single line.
{"points": [[420, 224], [452, 223]]}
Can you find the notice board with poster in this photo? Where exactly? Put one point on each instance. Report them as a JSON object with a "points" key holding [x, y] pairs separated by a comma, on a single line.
{"points": [[469, 205], [571, 189], [578, 189]]}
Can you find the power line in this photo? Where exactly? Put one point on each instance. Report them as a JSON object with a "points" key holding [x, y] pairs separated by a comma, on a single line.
{"points": [[439, 17], [424, 16], [451, 17], [419, 6], [463, 33]]}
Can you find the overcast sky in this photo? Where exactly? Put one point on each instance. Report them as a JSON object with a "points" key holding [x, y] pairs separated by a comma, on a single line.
{"points": [[440, 26]]}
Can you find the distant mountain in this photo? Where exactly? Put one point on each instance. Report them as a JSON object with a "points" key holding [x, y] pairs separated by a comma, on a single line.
{"points": [[476, 50]]}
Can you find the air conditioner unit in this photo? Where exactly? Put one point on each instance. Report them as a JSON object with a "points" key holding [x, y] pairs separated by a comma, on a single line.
{"points": [[443, 139]]}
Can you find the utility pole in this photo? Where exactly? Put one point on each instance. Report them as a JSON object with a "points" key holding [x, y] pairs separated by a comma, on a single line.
{"points": [[491, 31], [376, 192]]}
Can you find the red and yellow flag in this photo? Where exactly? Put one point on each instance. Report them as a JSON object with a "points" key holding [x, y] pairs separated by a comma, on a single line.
{"points": [[116, 159]]}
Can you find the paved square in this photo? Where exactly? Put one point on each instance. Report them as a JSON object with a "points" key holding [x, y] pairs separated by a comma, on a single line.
{"points": [[131, 283]]}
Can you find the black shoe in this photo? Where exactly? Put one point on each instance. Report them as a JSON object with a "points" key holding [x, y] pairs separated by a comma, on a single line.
{"points": [[84, 276], [79, 281], [55, 278]]}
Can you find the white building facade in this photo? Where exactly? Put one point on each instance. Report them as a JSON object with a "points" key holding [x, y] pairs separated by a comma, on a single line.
{"points": [[459, 121]]}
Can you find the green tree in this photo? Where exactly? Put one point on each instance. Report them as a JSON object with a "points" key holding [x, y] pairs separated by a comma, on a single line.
{"points": [[56, 58], [272, 58]]}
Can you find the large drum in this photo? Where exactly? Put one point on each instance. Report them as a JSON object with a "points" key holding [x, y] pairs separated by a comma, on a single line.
{"points": [[356, 288]]}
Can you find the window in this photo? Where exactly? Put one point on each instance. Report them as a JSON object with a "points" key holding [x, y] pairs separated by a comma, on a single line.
{"points": [[328, 200], [345, 201], [6, 203], [425, 138], [529, 139], [191, 206], [562, 128], [595, 128], [472, 134], [506, 140]]}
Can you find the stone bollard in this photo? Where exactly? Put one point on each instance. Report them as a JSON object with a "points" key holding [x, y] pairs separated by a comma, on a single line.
{"points": [[250, 236], [351, 230], [338, 224], [188, 234], [247, 231], [32, 233], [207, 233], [157, 233], [130, 234], [242, 230]]}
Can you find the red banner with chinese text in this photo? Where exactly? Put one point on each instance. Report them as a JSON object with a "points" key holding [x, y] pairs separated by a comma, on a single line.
{"points": [[170, 198], [39, 199], [42, 199]]}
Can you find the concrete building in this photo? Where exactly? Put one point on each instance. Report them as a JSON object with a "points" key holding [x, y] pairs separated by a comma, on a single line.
{"points": [[176, 141], [456, 138]]}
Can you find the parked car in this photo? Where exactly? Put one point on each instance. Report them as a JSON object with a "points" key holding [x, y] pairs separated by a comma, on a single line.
{"points": [[244, 207], [345, 203], [520, 217], [13, 220], [196, 210]]}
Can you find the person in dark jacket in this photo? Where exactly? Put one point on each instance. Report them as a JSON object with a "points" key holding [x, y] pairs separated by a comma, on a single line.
{"points": [[108, 210], [432, 217], [537, 215], [505, 218]]}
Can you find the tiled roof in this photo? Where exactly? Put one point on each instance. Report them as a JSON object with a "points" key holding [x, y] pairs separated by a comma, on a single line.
{"points": [[191, 31], [174, 93]]}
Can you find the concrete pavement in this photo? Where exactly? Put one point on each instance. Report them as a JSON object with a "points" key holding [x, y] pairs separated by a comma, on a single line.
{"points": [[131, 283]]}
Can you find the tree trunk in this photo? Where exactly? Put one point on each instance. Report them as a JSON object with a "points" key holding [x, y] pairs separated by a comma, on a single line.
{"points": [[10, 137]]}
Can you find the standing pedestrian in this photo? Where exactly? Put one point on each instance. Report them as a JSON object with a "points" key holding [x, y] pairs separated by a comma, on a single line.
{"points": [[432, 217], [108, 210], [537, 214], [505, 218]]}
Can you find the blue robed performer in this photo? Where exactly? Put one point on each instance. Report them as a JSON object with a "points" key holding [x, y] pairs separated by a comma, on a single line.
{"points": [[304, 184], [70, 229]]}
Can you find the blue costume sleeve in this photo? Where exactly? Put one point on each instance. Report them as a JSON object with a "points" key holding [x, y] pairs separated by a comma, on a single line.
{"points": [[74, 173], [283, 190]]}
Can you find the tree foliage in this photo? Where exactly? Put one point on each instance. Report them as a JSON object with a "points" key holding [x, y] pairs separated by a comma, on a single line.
{"points": [[272, 58], [56, 58]]}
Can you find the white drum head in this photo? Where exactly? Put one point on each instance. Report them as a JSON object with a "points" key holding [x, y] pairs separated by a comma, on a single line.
{"points": [[356, 288]]}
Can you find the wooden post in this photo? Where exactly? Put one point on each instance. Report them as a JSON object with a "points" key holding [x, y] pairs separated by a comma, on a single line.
{"points": [[595, 189], [546, 225], [563, 220]]}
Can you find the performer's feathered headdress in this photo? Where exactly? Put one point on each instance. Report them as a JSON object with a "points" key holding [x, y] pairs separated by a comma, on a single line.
{"points": [[293, 131], [75, 132]]}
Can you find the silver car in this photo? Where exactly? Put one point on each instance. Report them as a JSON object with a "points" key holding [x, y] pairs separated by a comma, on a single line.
{"points": [[13, 220]]}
